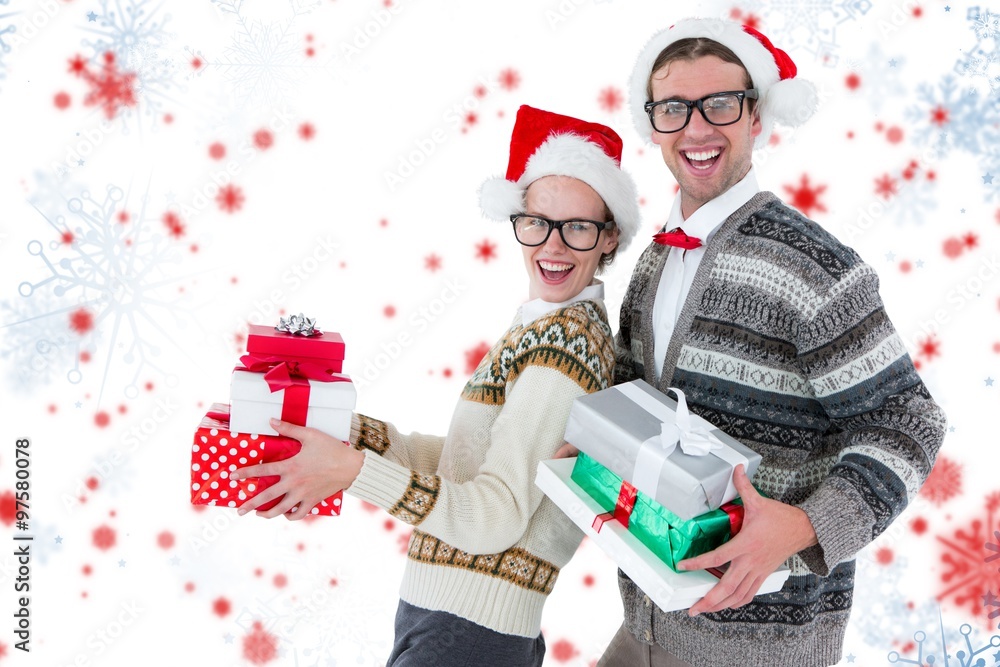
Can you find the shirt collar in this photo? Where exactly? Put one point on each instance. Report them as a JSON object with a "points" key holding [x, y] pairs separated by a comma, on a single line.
{"points": [[704, 222], [532, 310]]}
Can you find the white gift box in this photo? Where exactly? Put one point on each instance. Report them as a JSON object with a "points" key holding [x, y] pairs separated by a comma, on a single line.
{"points": [[667, 589], [252, 404]]}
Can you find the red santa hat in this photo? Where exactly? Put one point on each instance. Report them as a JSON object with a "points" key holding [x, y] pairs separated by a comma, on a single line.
{"points": [[784, 98], [548, 144]]}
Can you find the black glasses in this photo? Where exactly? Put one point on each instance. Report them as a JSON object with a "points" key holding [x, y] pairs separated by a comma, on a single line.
{"points": [[533, 230], [723, 108]]}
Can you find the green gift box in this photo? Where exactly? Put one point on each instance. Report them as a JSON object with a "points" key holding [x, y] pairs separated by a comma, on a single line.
{"points": [[667, 535]]}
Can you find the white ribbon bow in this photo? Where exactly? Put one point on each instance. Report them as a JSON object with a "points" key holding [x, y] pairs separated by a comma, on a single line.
{"points": [[693, 440]]}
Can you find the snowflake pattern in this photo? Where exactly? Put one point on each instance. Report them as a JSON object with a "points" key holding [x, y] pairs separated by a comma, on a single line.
{"points": [[967, 575], [115, 271], [808, 26], [982, 61], [880, 73], [965, 657], [135, 34], [265, 59]]}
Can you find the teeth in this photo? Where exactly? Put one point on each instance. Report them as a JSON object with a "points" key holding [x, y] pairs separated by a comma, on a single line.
{"points": [[548, 266], [701, 155]]}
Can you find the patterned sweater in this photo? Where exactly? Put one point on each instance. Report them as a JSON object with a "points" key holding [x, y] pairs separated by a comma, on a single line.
{"points": [[784, 344], [489, 544]]}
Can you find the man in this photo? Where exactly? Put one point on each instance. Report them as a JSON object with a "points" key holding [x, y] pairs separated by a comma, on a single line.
{"points": [[776, 334]]}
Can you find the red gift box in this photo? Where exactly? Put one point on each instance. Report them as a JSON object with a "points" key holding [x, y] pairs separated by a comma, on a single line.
{"points": [[217, 451], [326, 349]]}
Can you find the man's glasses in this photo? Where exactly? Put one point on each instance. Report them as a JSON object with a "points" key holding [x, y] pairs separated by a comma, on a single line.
{"points": [[532, 230], [723, 108]]}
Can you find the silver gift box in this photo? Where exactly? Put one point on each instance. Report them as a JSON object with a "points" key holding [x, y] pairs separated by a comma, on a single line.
{"points": [[610, 427]]}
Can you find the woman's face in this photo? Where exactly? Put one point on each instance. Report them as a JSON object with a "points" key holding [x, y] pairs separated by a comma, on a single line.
{"points": [[557, 273]]}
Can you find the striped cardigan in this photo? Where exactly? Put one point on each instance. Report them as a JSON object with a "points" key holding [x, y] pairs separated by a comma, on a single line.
{"points": [[784, 344]]}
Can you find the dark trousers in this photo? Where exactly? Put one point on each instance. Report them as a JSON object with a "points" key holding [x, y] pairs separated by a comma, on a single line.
{"points": [[426, 638]]}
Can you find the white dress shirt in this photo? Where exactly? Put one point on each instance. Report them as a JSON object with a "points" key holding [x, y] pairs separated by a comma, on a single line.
{"points": [[678, 272], [532, 310]]}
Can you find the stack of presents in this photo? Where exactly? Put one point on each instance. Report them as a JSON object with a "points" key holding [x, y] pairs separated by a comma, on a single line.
{"points": [[291, 372], [652, 485]]}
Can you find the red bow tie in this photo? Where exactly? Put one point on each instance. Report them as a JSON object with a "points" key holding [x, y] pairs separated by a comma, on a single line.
{"points": [[678, 239]]}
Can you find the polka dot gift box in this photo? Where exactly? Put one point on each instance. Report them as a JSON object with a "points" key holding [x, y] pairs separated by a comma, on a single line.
{"points": [[217, 451]]}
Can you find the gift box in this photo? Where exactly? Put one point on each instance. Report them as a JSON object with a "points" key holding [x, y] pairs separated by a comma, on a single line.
{"points": [[673, 456], [326, 348], [217, 451], [669, 590], [663, 532], [320, 400]]}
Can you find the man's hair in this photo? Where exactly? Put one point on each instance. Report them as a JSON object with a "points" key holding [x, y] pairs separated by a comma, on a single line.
{"points": [[692, 48]]}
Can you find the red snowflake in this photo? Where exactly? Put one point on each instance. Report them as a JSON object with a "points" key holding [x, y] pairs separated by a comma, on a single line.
{"points": [[610, 99], [806, 197], [432, 262], [473, 356], [217, 151], [953, 247], [564, 650], [66, 237], [174, 225], [221, 607], [260, 646], [885, 186], [929, 348], [104, 537], [102, 419], [165, 540], [109, 88], [970, 240], [81, 321], [486, 250], [263, 139], [509, 79], [967, 575], [939, 115], [307, 131], [944, 482], [230, 198], [196, 63], [61, 100], [471, 118], [852, 81], [8, 508]]}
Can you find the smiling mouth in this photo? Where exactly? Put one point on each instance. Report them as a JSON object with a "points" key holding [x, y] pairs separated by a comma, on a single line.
{"points": [[554, 272], [702, 160]]}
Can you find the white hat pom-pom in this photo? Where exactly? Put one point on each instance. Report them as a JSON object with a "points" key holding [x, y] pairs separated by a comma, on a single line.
{"points": [[790, 102], [500, 198]]}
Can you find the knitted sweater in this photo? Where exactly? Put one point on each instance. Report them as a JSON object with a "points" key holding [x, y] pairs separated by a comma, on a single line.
{"points": [[784, 344], [489, 544]]}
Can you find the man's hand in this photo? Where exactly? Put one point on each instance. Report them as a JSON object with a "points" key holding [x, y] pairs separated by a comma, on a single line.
{"points": [[566, 451], [321, 468], [772, 531]]}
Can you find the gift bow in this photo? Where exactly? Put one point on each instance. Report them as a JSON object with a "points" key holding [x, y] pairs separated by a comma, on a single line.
{"points": [[693, 440], [293, 377], [299, 325]]}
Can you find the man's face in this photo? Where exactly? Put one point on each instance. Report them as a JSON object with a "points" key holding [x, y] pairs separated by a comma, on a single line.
{"points": [[705, 159]]}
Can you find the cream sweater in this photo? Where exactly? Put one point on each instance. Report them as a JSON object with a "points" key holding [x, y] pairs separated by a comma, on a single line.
{"points": [[490, 544]]}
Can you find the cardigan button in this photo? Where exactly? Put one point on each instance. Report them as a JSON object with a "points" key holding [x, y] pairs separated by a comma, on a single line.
{"points": [[646, 600], [648, 636]]}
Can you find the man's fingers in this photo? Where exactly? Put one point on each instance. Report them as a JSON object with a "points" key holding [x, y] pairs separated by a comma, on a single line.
{"points": [[715, 558], [743, 485], [566, 451]]}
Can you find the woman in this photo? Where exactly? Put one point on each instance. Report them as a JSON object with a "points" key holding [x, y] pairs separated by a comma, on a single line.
{"points": [[487, 544]]}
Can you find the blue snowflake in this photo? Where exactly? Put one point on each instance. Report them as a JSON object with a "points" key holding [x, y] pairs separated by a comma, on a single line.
{"points": [[8, 29], [136, 34], [982, 61], [265, 59], [117, 272], [880, 76], [809, 26], [965, 657]]}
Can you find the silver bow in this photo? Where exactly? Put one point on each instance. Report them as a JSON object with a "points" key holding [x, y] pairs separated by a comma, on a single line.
{"points": [[298, 325]]}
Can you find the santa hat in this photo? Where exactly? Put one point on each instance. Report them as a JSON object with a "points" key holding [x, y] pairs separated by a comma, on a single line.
{"points": [[783, 97], [548, 144]]}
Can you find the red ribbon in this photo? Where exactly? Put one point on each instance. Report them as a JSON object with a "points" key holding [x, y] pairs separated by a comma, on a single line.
{"points": [[735, 513], [293, 377], [623, 508], [677, 239]]}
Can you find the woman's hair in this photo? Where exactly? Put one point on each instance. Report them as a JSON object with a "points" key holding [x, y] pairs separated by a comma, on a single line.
{"points": [[608, 257]]}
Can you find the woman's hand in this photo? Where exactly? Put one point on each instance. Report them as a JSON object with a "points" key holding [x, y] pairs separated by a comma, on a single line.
{"points": [[321, 468]]}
